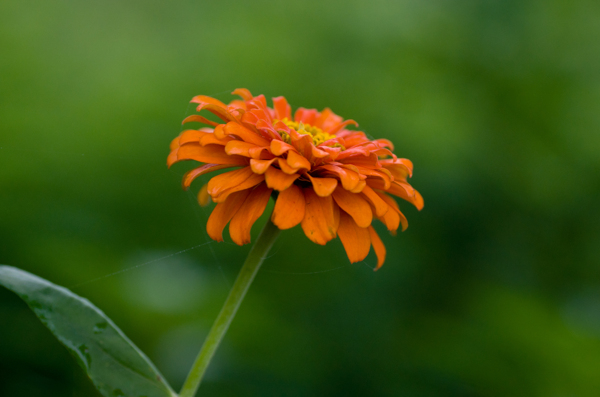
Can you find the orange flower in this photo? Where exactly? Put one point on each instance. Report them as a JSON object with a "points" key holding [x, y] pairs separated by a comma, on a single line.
{"points": [[330, 180]]}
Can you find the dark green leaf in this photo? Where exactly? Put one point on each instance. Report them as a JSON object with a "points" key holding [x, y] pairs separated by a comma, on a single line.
{"points": [[115, 365]]}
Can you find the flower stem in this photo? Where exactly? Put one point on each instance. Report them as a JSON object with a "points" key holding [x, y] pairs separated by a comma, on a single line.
{"points": [[247, 273]]}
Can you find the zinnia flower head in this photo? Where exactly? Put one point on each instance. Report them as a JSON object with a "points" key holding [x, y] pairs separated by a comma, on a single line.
{"points": [[331, 180]]}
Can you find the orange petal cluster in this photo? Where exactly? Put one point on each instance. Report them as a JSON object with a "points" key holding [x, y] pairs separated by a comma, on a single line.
{"points": [[331, 180]]}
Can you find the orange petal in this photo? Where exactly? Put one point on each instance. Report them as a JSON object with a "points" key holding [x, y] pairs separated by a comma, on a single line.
{"points": [[212, 139], [321, 219], [196, 172], [280, 147], [307, 116], [223, 213], [378, 246], [285, 167], [340, 126], [354, 205], [356, 240], [302, 142], [323, 186], [394, 216], [381, 207], [244, 93], [174, 144], [190, 136], [214, 154], [359, 188], [349, 178], [400, 189], [260, 153], [279, 180], [254, 180], [245, 134], [218, 111], [251, 210], [203, 196], [222, 185], [282, 109], [260, 166], [297, 161], [419, 201], [289, 208], [219, 132], [201, 99], [380, 174], [198, 119], [400, 168], [239, 147]]}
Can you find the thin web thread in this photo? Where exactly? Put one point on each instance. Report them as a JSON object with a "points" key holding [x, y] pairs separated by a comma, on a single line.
{"points": [[139, 266]]}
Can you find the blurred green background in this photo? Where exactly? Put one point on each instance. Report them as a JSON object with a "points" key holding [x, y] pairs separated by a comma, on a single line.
{"points": [[494, 289]]}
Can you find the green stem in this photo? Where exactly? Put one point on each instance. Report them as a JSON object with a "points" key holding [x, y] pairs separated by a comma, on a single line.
{"points": [[236, 295]]}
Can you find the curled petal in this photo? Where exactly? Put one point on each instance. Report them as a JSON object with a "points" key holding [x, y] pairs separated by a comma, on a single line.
{"points": [[199, 119], [402, 190], [203, 196], [356, 240], [245, 134], [323, 186], [354, 205], [353, 138], [289, 208], [267, 130], [223, 213], [218, 111], [239, 147], [280, 147], [316, 152], [359, 187], [321, 219], [387, 181], [244, 93], [212, 139], [250, 211], [219, 132], [190, 136], [203, 99], [285, 167], [223, 185], [405, 163], [341, 126], [262, 153], [349, 178], [302, 142], [369, 161], [261, 166], [378, 246], [297, 161], [327, 119], [214, 154], [307, 116], [380, 206], [384, 143], [419, 201], [189, 176], [279, 180], [394, 216], [282, 109]]}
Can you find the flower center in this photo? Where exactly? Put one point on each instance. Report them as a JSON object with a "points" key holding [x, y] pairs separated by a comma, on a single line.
{"points": [[318, 135]]}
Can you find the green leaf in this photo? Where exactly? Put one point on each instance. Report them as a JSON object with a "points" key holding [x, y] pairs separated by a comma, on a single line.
{"points": [[115, 365]]}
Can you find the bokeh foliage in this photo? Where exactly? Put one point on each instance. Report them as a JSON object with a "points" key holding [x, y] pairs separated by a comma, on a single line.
{"points": [[494, 290]]}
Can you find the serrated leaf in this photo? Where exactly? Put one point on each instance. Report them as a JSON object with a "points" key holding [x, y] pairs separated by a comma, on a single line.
{"points": [[113, 363]]}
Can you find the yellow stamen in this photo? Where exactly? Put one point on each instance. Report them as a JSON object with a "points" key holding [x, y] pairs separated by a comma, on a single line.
{"points": [[318, 135]]}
